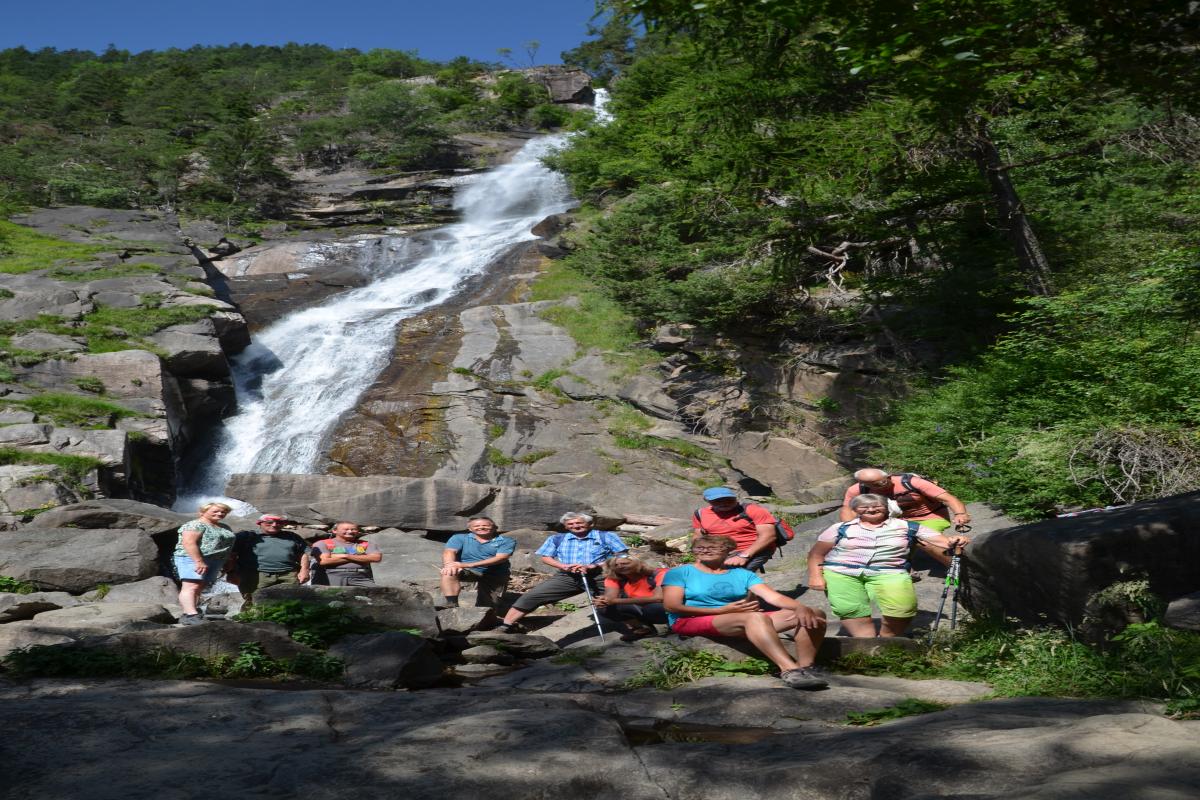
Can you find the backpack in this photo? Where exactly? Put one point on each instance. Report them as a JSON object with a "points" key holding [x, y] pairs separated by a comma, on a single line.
{"points": [[906, 480], [784, 532]]}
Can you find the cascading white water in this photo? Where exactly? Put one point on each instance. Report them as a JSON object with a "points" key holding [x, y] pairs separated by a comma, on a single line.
{"points": [[306, 370]]}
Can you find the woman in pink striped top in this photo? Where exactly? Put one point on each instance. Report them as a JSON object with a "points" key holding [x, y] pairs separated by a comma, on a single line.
{"points": [[865, 561]]}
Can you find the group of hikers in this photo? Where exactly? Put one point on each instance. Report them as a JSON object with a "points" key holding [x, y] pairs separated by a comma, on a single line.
{"points": [[859, 561]]}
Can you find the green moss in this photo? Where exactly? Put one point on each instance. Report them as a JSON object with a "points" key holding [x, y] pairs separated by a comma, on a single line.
{"points": [[908, 707], [71, 409], [497, 458], [100, 273], [25, 250], [75, 466]]}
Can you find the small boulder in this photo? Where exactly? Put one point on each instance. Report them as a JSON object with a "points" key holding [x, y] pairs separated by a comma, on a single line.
{"points": [[95, 618], [212, 639], [487, 654], [390, 606], [388, 660], [158, 589], [519, 644], [463, 619], [14, 607], [73, 560], [475, 672], [1184, 613]]}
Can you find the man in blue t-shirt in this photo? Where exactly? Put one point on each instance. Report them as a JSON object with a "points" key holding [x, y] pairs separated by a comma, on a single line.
{"points": [[479, 556]]}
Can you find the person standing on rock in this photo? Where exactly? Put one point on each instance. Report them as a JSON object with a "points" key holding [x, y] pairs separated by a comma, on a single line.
{"points": [[577, 555], [346, 558], [204, 546], [710, 598], [751, 527], [268, 557], [479, 556], [918, 499], [866, 560]]}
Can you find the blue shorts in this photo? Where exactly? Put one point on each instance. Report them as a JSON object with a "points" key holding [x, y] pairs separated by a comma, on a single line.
{"points": [[185, 568]]}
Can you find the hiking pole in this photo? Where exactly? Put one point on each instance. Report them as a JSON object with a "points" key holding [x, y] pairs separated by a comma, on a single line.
{"points": [[952, 579], [591, 602]]}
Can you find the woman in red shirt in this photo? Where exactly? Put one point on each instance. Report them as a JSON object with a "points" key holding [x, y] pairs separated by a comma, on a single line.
{"points": [[633, 596]]}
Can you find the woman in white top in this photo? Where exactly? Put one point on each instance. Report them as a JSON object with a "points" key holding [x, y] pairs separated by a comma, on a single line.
{"points": [[865, 561]]}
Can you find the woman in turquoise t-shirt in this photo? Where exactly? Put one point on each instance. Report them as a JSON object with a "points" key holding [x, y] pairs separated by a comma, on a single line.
{"points": [[709, 599]]}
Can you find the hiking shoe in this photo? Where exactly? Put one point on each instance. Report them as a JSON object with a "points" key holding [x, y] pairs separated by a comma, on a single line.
{"points": [[191, 619], [516, 627], [803, 678], [639, 633]]}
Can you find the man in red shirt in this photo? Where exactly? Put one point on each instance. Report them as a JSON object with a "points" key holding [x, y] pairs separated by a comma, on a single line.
{"points": [[751, 527]]}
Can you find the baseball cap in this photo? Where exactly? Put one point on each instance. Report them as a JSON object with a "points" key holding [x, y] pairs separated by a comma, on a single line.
{"points": [[271, 518], [717, 492]]}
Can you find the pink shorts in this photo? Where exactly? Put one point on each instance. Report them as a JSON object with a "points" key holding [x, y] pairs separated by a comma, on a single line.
{"points": [[700, 626]]}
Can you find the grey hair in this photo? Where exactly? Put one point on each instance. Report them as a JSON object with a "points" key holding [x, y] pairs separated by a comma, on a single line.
{"points": [[859, 473], [870, 499], [575, 515]]}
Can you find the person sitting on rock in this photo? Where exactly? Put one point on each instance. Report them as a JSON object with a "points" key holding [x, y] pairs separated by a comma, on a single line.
{"points": [[710, 598], [866, 560], [269, 556], [632, 596], [750, 526], [480, 556], [203, 548], [918, 499], [346, 558], [577, 555]]}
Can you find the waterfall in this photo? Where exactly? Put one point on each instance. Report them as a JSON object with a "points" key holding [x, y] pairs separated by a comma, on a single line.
{"points": [[305, 371]]}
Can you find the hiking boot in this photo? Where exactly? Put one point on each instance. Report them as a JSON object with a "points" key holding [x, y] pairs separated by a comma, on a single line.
{"points": [[191, 619], [642, 632], [803, 678], [515, 627]]}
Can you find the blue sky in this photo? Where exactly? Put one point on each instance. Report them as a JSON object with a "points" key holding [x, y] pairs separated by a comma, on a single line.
{"points": [[438, 29]]}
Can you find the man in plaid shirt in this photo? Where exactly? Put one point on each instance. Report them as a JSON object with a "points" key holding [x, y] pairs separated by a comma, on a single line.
{"points": [[578, 555]]}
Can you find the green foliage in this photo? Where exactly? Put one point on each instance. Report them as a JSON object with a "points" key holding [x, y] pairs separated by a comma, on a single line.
{"points": [[908, 707], [75, 466], [24, 250], [313, 624], [670, 667], [14, 586], [594, 321], [496, 457], [72, 409], [1013, 427], [546, 380], [90, 384], [566, 607], [534, 456], [1145, 661], [162, 663]]}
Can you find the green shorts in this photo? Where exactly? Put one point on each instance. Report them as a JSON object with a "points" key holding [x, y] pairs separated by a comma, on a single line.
{"points": [[850, 597], [938, 524]]}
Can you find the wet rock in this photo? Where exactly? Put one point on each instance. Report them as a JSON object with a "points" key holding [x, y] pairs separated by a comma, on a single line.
{"points": [[74, 560], [388, 661]]}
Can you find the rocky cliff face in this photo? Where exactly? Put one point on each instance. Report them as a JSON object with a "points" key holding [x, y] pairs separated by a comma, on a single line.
{"points": [[118, 357]]}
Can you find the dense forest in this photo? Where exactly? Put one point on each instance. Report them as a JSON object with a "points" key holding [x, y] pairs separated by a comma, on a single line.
{"points": [[209, 130], [1005, 189]]}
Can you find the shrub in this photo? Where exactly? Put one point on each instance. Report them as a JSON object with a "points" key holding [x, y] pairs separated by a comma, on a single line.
{"points": [[14, 586], [313, 624], [908, 707], [670, 667]]}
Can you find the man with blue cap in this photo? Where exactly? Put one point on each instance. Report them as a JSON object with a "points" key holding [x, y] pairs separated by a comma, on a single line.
{"points": [[751, 527]]}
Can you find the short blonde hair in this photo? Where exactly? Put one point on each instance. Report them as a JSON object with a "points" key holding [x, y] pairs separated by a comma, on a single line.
{"points": [[726, 543], [222, 506], [641, 567]]}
